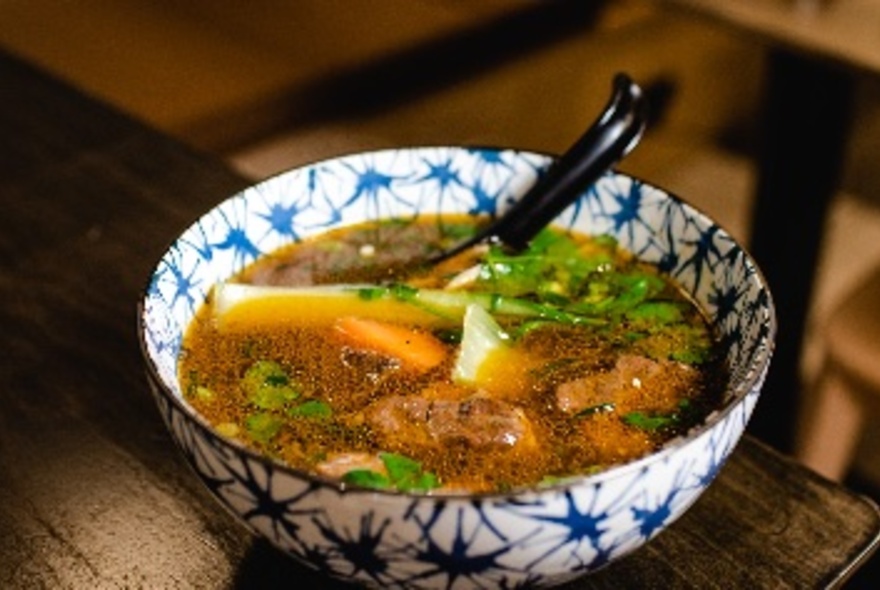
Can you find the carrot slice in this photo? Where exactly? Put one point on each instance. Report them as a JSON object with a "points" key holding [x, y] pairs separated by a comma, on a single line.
{"points": [[418, 350]]}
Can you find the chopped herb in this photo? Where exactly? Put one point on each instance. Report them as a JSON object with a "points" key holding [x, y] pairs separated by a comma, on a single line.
{"points": [[660, 312], [403, 292], [406, 474], [684, 416], [403, 474], [312, 408], [649, 422], [263, 427], [267, 386], [263, 373], [273, 398], [367, 478], [529, 326]]}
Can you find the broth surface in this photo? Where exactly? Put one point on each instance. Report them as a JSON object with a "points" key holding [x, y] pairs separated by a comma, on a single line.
{"points": [[489, 372]]}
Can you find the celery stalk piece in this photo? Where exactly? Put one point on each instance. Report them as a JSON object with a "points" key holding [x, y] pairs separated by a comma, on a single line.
{"points": [[228, 295], [242, 306], [238, 304]]}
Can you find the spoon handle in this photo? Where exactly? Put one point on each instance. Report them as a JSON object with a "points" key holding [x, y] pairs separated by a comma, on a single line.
{"points": [[608, 139]]}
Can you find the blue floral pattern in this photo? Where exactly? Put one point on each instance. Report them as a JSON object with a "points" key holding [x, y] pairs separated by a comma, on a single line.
{"points": [[532, 538]]}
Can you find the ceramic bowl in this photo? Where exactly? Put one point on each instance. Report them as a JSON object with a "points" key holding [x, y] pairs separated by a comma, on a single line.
{"points": [[538, 537]]}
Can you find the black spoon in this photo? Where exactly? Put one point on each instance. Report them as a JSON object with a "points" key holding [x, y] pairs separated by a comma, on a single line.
{"points": [[613, 135]]}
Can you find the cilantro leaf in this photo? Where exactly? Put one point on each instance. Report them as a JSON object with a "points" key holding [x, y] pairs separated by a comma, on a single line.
{"points": [[313, 408], [263, 427]]}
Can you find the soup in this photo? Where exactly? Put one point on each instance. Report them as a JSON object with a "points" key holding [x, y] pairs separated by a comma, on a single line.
{"points": [[344, 356]]}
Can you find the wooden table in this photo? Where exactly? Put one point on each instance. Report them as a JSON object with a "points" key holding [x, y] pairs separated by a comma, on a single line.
{"points": [[816, 52], [93, 493]]}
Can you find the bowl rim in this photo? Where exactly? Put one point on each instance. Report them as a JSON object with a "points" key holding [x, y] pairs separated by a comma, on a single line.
{"points": [[750, 382]]}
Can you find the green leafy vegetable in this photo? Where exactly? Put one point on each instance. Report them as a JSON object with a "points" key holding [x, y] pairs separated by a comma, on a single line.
{"points": [[657, 312], [649, 422], [553, 266], [481, 337], [406, 474], [263, 427], [263, 373], [267, 386], [403, 474], [367, 478], [615, 293], [682, 417], [449, 306], [312, 408]]}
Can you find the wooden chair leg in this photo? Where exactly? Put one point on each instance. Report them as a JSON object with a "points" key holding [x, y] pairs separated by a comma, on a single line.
{"points": [[831, 429]]}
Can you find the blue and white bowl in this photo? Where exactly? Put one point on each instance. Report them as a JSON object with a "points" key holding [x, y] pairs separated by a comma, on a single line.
{"points": [[538, 537]]}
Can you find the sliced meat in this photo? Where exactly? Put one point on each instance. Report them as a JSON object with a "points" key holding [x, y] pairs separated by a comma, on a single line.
{"points": [[290, 275], [365, 255], [635, 382], [587, 392], [402, 417], [478, 422]]}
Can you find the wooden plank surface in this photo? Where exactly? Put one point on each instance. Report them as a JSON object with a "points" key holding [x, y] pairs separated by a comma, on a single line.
{"points": [[841, 31], [93, 493]]}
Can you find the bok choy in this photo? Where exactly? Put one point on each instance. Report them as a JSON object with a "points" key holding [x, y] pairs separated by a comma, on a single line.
{"points": [[481, 336]]}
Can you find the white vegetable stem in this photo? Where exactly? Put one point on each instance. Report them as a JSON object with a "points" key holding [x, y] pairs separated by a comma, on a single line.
{"points": [[481, 337], [422, 306]]}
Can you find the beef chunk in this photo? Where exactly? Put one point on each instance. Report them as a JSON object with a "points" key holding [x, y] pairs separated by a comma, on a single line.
{"points": [[476, 421], [635, 382]]}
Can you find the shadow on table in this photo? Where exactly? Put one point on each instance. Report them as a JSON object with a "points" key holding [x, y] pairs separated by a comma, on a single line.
{"points": [[266, 568]]}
